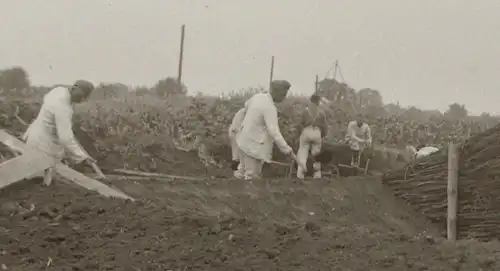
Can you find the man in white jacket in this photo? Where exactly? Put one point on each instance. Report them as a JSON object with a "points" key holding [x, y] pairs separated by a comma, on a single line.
{"points": [[233, 131], [51, 132], [358, 136], [259, 130]]}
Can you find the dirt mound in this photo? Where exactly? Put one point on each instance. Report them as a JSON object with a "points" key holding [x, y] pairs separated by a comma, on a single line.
{"points": [[424, 185], [221, 225]]}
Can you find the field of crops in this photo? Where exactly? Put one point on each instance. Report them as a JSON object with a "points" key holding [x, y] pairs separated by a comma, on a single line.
{"points": [[118, 130], [214, 223]]}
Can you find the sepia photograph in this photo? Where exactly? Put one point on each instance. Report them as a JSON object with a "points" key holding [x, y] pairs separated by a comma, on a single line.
{"points": [[210, 135]]}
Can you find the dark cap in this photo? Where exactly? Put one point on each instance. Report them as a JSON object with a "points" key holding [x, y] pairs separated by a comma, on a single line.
{"points": [[84, 85], [280, 84], [315, 98]]}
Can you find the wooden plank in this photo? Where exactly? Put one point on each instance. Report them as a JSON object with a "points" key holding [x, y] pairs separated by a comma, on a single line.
{"points": [[13, 143], [157, 175], [22, 167], [60, 168]]}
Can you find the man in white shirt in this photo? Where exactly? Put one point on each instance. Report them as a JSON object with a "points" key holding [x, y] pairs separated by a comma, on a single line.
{"points": [[51, 132], [259, 130], [358, 137], [233, 131]]}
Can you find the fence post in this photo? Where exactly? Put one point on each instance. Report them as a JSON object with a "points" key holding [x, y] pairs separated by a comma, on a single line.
{"points": [[452, 192]]}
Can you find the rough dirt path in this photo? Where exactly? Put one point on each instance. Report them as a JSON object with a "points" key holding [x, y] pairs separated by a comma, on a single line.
{"points": [[350, 224]]}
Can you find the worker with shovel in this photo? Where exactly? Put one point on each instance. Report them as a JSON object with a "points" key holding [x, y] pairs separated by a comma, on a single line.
{"points": [[358, 137], [52, 133], [314, 129], [259, 130]]}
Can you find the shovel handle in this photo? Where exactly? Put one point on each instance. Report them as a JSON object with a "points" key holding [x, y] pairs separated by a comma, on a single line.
{"points": [[97, 170]]}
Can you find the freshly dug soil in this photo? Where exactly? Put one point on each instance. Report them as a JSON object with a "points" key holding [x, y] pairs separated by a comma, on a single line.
{"points": [[222, 224], [423, 184]]}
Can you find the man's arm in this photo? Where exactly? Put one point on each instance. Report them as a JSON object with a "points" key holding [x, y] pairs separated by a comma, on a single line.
{"points": [[63, 117], [271, 121], [368, 134], [237, 120]]}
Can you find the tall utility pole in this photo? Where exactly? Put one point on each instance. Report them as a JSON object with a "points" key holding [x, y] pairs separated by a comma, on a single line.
{"points": [[181, 58], [316, 85], [271, 74]]}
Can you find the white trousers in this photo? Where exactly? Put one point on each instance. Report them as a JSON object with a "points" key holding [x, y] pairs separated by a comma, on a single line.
{"points": [[310, 140], [251, 168], [235, 151], [235, 156], [53, 151]]}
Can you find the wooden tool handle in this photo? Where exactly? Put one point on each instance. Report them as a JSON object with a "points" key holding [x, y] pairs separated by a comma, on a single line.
{"points": [[97, 170]]}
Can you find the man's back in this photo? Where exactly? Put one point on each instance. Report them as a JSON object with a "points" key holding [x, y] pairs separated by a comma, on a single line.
{"points": [[255, 111], [259, 128], [314, 116], [57, 101]]}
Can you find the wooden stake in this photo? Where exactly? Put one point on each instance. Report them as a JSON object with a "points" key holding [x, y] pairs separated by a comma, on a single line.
{"points": [[271, 74], [47, 177], [452, 192], [181, 58]]}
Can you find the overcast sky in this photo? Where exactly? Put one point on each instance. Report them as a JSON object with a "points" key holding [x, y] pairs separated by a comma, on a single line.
{"points": [[429, 53]]}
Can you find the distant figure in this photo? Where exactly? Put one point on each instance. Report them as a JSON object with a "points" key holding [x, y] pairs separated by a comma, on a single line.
{"points": [[51, 132], [234, 128], [259, 130], [314, 128], [359, 136], [411, 153]]}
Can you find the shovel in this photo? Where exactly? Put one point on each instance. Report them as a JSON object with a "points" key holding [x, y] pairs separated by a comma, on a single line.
{"points": [[98, 171]]}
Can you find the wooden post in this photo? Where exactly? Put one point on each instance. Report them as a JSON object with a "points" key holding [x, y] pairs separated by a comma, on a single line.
{"points": [[452, 192], [181, 58], [316, 85], [271, 72]]}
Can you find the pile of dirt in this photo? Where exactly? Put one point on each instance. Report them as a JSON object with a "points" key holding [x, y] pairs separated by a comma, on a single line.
{"points": [[423, 184], [350, 224]]}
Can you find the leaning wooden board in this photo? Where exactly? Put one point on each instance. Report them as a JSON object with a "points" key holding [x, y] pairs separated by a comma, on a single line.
{"points": [[19, 168], [37, 160]]}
